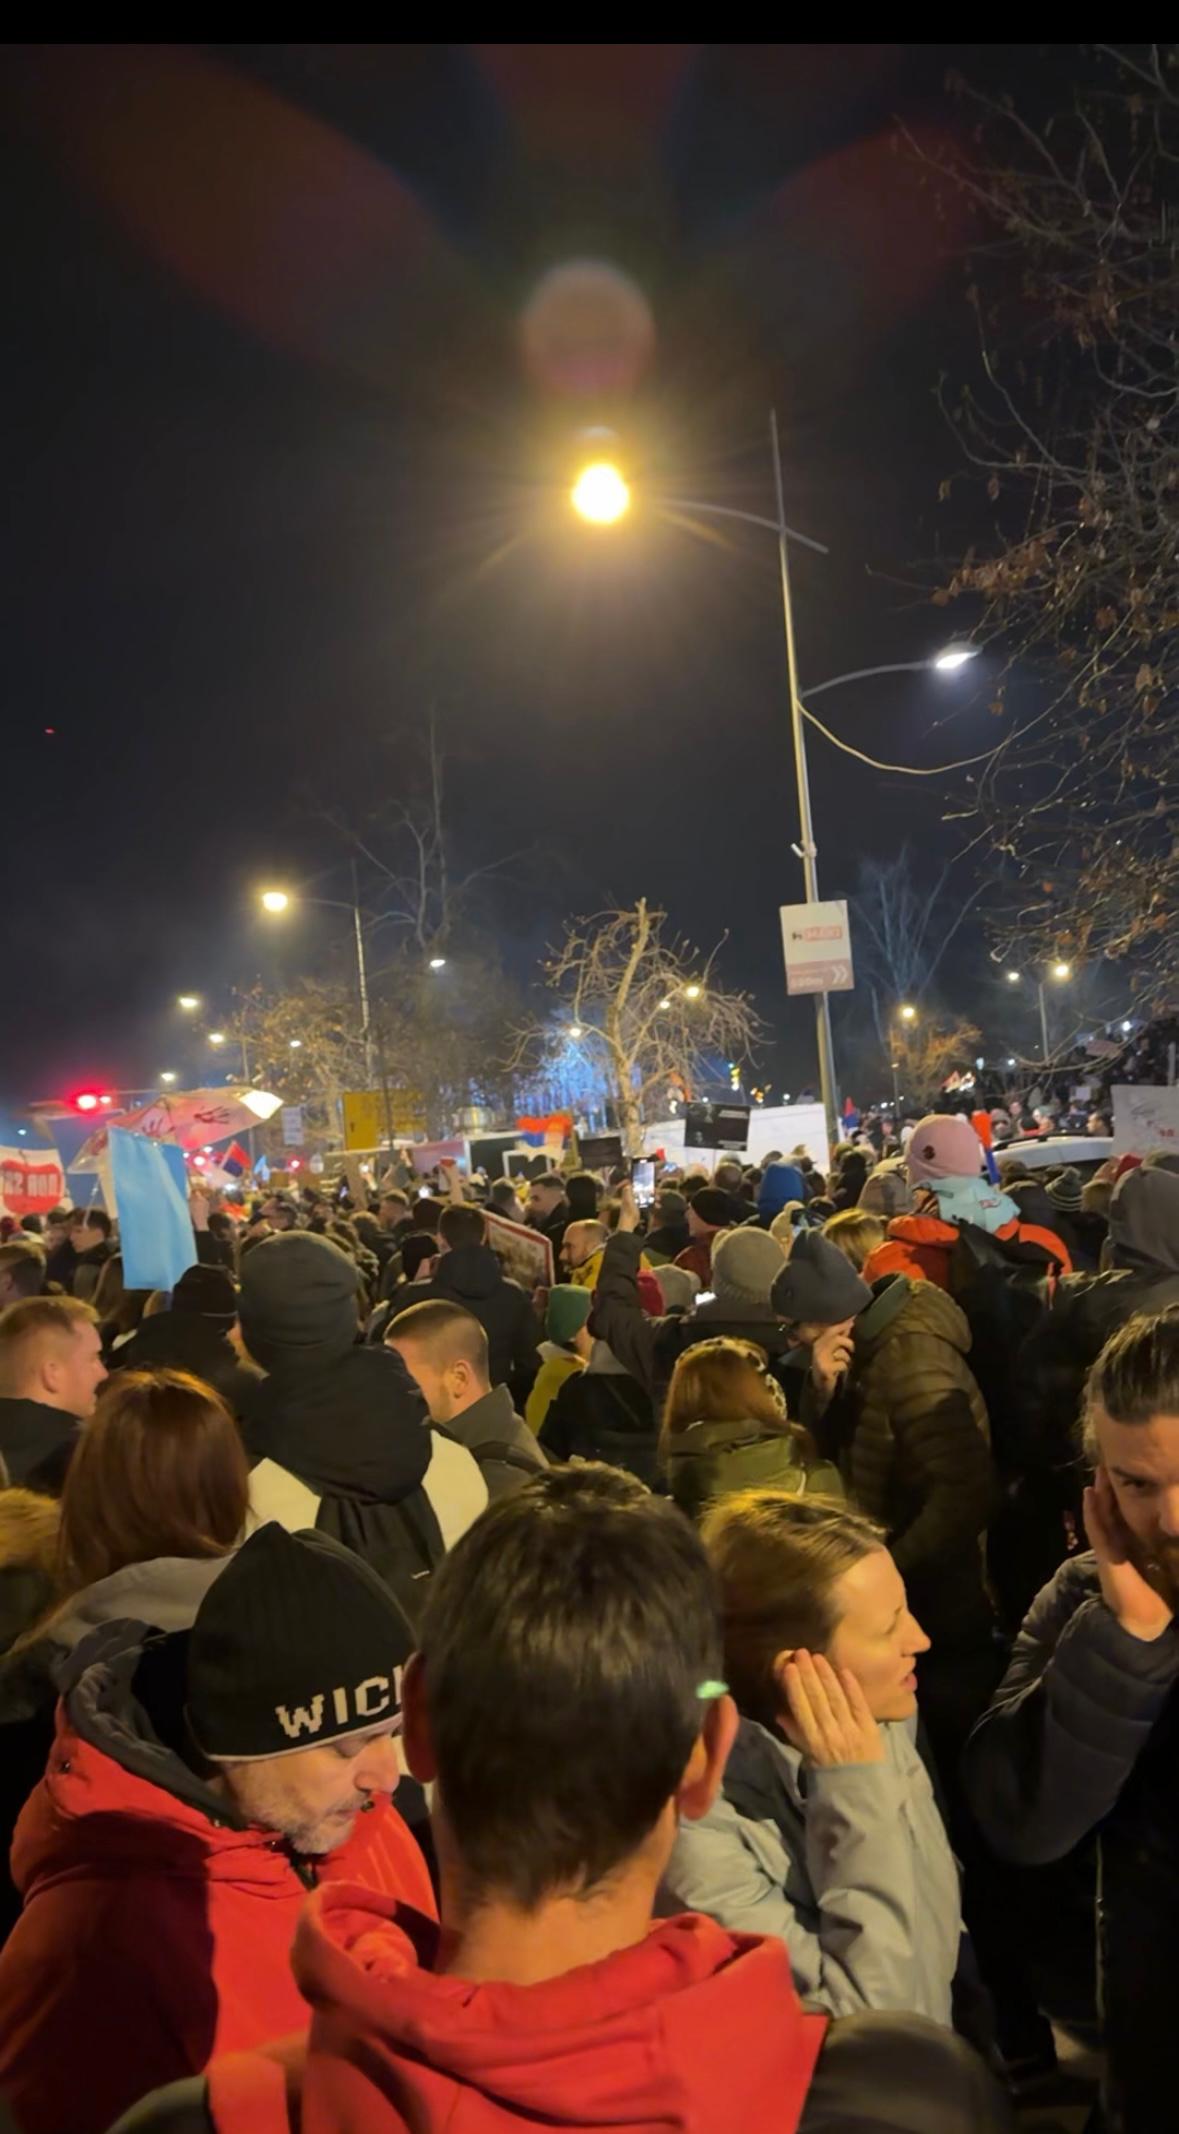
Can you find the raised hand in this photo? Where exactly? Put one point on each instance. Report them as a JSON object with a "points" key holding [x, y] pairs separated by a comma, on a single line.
{"points": [[831, 1358], [1126, 1593], [829, 1717], [628, 1207]]}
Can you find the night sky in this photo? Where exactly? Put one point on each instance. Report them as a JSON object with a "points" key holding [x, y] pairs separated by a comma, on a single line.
{"points": [[278, 482]]}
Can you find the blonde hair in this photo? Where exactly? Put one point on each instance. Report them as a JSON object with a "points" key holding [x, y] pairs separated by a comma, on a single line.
{"points": [[785, 1224], [723, 1380], [778, 1559], [855, 1233], [26, 1328]]}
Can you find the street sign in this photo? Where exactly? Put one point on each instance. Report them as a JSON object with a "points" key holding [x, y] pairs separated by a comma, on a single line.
{"points": [[716, 1126], [367, 1120], [292, 1126], [817, 942]]}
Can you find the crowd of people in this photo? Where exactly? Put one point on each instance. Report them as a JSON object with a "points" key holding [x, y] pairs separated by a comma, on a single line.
{"points": [[705, 1690]]}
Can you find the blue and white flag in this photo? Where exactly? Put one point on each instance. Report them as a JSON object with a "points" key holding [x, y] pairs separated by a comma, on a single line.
{"points": [[151, 1195]]}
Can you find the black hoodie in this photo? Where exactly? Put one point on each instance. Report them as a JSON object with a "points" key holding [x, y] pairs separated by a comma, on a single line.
{"points": [[471, 1275]]}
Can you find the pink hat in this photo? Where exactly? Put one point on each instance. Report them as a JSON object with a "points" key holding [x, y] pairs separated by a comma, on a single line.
{"points": [[943, 1146]]}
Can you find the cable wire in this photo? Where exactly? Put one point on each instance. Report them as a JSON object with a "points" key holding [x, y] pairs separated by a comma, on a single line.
{"points": [[908, 770]]}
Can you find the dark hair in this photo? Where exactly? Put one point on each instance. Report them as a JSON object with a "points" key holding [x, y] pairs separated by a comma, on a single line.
{"points": [[25, 1268], [549, 1182], [416, 1249], [583, 1192], [220, 1224], [1136, 1375], [425, 1215], [502, 1191], [565, 1642], [396, 1193], [777, 1559], [119, 1309], [159, 1471], [97, 1218], [462, 1226], [452, 1334]]}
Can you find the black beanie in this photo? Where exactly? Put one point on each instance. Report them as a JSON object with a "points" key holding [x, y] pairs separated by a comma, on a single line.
{"points": [[818, 1285], [297, 1643], [298, 1301], [206, 1293], [713, 1206]]}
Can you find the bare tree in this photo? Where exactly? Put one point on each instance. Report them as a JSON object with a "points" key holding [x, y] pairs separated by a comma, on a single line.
{"points": [[304, 1044], [648, 1011], [902, 930], [925, 1052], [1071, 429]]}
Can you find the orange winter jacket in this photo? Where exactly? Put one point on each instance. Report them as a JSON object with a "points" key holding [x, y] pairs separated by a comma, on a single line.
{"points": [[922, 1245]]}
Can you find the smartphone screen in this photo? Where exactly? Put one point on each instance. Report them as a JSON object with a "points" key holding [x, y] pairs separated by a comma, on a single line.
{"points": [[642, 1175]]}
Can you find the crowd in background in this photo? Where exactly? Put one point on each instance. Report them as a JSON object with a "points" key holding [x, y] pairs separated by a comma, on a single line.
{"points": [[703, 1690]]}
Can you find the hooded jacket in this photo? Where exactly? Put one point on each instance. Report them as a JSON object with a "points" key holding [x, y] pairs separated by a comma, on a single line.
{"points": [[556, 1365], [471, 1275], [184, 1341], [689, 2031], [157, 1924], [603, 1414], [649, 1348], [923, 1245], [340, 1434], [910, 1432], [1083, 1736], [849, 1864], [711, 1459]]}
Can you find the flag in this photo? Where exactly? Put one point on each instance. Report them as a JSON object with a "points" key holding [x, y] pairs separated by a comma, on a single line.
{"points": [[151, 1194], [235, 1160]]}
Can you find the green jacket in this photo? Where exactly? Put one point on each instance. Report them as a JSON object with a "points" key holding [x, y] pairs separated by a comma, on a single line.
{"points": [[910, 1432], [710, 1460]]}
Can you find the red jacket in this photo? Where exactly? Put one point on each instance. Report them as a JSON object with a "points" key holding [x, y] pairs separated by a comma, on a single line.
{"points": [[692, 2031], [922, 1245], [153, 1936]]}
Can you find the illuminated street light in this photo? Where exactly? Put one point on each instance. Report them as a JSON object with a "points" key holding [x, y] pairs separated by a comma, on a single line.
{"points": [[666, 1001], [1062, 970], [1013, 977], [168, 1075], [693, 992], [190, 1002], [954, 656], [216, 1037], [274, 900], [437, 963], [296, 1044], [600, 494], [575, 1031], [908, 1014]]}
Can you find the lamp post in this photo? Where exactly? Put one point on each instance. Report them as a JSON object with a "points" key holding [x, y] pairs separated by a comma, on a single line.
{"points": [[907, 1014], [601, 495], [277, 901], [1062, 972]]}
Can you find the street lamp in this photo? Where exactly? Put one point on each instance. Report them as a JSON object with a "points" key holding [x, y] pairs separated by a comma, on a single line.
{"points": [[575, 1031], [190, 1002], [216, 1037], [693, 992], [278, 901], [437, 963], [168, 1076], [1062, 972], [907, 1014], [602, 495]]}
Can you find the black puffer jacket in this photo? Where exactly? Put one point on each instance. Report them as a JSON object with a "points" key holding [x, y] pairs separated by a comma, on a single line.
{"points": [[472, 1277], [604, 1415], [1083, 1736], [182, 1341]]}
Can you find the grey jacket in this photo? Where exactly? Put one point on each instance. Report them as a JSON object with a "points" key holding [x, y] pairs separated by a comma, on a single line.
{"points": [[849, 1865], [492, 1424]]}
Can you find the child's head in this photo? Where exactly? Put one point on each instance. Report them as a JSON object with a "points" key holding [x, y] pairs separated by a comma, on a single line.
{"points": [[565, 1694], [802, 1573]]}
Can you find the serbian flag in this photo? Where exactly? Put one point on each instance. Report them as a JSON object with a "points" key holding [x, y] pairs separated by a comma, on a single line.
{"points": [[235, 1160]]}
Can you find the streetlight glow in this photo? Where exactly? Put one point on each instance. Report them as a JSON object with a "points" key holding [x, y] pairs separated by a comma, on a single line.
{"points": [[437, 963], [666, 1001], [954, 656], [908, 1014], [190, 1002], [1062, 970], [168, 1075], [1013, 977], [575, 1031], [274, 900], [296, 1044], [216, 1037], [693, 992], [600, 494]]}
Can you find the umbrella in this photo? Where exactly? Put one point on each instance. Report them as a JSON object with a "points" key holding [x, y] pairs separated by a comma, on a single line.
{"points": [[193, 1118]]}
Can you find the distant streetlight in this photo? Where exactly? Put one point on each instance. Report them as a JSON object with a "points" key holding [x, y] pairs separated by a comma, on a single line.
{"points": [[954, 656], [1062, 972], [1013, 977], [906, 1013], [190, 1002], [168, 1075], [666, 1001], [575, 1031], [296, 1044], [278, 901], [437, 963], [600, 494], [216, 1037], [693, 992]]}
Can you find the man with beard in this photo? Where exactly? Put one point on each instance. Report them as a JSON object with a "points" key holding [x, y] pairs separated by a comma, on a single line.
{"points": [[1082, 1736]]}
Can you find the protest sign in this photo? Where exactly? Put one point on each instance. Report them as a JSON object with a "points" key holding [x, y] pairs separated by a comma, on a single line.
{"points": [[525, 1255], [1145, 1117]]}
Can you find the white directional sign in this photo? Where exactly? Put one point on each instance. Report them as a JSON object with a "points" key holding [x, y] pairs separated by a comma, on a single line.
{"points": [[818, 948]]}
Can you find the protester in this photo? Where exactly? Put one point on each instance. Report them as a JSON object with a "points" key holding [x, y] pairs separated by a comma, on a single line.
{"points": [[725, 1428], [583, 1191], [890, 1397], [791, 1217], [418, 1242], [75, 1262], [856, 1233], [668, 1233], [564, 1352], [338, 1433], [887, 1191], [580, 1251], [604, 1414], [198, 1785], [468, 1273], [196, 1334], [548, 1210], [827, 1832], [22, 1273], [444, 1349], [944, 1168], [782, 1186], [565, 1704], [50, 1370], [28, 1572], [745, 1264], [709, 1213], [504, 1200], [281, 1211], [119, 1309], [1081, 1734], [851, 1178]]}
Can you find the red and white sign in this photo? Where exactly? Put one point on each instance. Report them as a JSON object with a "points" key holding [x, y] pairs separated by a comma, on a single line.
{"points": [[31, 1181], [817, 942]]}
